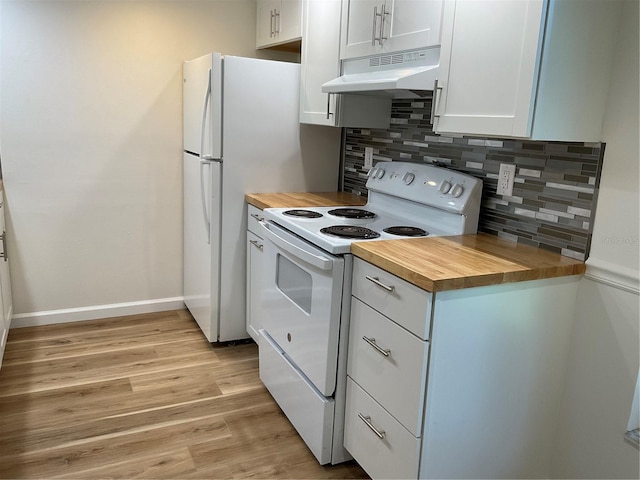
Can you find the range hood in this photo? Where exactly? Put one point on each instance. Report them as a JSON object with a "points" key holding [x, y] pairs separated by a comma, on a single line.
{"points": [[398, 75]]}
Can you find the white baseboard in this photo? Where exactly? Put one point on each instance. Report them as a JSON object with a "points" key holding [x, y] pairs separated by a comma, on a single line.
{"points": [[95, 312]]}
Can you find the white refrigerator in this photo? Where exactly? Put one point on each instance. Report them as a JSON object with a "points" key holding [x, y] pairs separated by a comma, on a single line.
{"points": [[241, 135]]}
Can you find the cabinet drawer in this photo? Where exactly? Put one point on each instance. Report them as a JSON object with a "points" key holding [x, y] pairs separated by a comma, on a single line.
{"points": [[404, 303], [393, 456], [254, 216], [384, 377]]}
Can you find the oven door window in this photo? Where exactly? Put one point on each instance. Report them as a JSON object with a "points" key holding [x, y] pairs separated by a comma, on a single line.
{"points": [[295, 283]]}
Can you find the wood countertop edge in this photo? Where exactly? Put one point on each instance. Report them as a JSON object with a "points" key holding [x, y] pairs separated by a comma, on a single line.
{"points": [[516, 272], [303, 199]]}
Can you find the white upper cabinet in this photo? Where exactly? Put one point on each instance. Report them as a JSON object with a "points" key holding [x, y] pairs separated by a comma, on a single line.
{"points": [[371, 27], [535, 69], [278, 22], [320, 62]]}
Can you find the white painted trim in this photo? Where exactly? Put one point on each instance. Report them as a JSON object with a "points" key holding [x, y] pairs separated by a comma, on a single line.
{"points": [[95, 312], [613, 275]]}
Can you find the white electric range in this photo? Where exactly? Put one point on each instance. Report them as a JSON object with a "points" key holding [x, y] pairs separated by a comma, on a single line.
{"points": [[305, 304]]}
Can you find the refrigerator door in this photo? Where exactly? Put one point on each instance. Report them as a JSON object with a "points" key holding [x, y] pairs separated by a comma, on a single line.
{"points": [[202, 106], [265, 150], [201, 230]]}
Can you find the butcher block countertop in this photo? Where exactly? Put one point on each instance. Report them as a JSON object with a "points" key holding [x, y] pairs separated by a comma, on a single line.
{"points": [[450, 263], [302, 199], [439, 263]]}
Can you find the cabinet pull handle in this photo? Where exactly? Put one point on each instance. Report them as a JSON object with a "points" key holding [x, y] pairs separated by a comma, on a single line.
{"points": [[372, 341], [271, 24], [377, 281], [435, 103], [4, 253], [383, 16], [383, 13], [276, 23], [373, 31], [367, 421], [329, 112], [256, 244], [257, 217]]}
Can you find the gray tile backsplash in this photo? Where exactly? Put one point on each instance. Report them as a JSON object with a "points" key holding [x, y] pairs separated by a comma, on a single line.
{"points": [[556, 184]]}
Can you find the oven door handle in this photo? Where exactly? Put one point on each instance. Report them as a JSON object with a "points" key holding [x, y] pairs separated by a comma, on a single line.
{"points": [[322, 263]]}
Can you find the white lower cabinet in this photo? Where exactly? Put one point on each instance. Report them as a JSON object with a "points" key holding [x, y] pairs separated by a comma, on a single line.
{"points": [[254, 271], [6, 303], [457, 384]]}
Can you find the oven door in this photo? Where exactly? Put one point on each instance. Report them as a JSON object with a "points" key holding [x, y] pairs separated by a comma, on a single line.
{"points": [[301, 303]]}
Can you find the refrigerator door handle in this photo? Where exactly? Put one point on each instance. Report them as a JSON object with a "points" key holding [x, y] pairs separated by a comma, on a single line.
{"points": [[207, 97], [203, 198]]}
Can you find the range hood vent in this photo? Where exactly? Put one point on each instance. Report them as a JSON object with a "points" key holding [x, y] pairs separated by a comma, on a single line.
{"points": [[400, 75]]}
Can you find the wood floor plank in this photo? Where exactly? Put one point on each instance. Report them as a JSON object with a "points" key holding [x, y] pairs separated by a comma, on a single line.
{"points": [[169, 465], [143, 397], [79, 370], [146, 321], [110, 449]]}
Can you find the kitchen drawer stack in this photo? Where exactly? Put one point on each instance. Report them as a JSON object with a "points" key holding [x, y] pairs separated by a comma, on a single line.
{"points": [[254, 270], [387, 372]]}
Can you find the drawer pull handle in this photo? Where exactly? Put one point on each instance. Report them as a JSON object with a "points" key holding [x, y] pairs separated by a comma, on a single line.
{"points": [[367, 421], [377, 281], [372, 342], [257, 217], [256, 244]]}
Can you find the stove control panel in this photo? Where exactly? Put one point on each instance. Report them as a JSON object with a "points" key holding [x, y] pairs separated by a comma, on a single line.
{"points": [[426, 184]]}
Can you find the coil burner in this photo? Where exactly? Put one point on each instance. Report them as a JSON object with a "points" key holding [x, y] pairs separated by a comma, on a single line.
{"points": [[406, 231], [350, 231], [302, 213], [351, 213]]}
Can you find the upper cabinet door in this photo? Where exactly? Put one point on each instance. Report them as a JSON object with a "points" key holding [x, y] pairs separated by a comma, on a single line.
{"points": [[361, 23], [320, 60], [371, 27], [411, 24], [289, 25], [278, 22], [526, 68], [488, 66], [266, 22]]}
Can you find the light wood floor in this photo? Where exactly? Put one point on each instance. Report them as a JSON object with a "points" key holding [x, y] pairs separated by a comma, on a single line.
{"points": [[144, 396]]}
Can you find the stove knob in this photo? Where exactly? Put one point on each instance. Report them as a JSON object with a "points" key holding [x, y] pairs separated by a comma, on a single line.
{"points": [[445, 186], [457, 190], [372, 173], [380, 173], [408, 178]]}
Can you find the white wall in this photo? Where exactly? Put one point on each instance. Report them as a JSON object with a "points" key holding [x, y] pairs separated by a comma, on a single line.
{"points": [[604, 356], [91, 130]]}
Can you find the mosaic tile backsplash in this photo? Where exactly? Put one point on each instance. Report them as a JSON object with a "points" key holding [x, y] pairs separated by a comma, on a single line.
{"points": [[556, 184]]}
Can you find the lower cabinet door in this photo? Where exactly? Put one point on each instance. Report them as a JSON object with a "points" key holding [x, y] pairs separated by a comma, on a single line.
{"points": [[378, 442]]}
